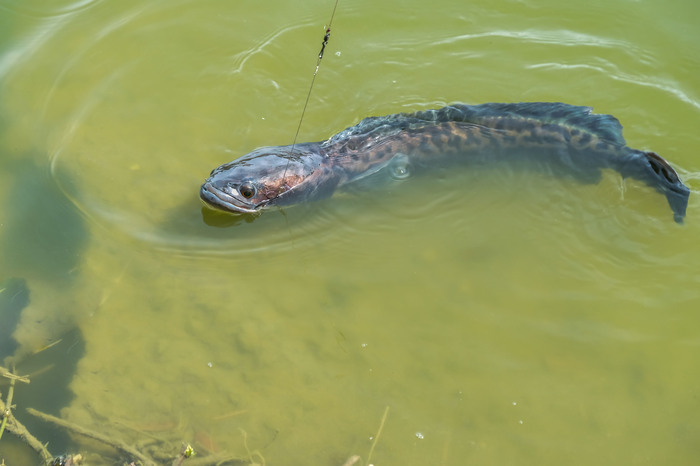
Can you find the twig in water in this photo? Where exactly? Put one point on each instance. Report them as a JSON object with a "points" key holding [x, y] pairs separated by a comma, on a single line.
{"points": [[230, 414], [352, 460], [7, 409], [376, 437], [15, 427], [116, 444], [12, 376], [251, 453]]}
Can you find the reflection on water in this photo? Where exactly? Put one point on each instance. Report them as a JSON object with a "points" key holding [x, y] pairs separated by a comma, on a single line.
{"points": [[499, 314]]}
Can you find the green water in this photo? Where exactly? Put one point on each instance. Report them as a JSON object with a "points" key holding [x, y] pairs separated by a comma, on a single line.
{"points": [[501, 318]]}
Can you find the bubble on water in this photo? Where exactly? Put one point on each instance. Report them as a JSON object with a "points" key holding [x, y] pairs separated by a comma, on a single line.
{"points": [[419, 435]]}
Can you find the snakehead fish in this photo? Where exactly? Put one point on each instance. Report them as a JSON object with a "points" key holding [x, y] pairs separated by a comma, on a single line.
{"points": [[564, 138]]}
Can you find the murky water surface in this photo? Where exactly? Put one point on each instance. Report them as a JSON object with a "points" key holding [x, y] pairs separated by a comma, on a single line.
{"points": [[492, 318]]}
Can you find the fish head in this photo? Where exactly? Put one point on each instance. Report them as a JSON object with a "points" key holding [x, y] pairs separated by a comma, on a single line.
{"points": [[265, 177]]}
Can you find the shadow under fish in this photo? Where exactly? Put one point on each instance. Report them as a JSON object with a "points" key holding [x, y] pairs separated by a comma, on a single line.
{"points": [[565, 138]]}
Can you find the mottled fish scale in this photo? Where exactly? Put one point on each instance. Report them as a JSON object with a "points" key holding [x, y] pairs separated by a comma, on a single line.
{"points": [[506, 116], [477, 132]]}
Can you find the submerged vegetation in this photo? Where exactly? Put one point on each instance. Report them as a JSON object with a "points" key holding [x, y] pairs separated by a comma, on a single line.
{"points": [[149, 450]]}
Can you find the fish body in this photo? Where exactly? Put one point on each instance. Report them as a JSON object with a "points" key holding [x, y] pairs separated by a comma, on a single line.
{"points": [[564, 138]]}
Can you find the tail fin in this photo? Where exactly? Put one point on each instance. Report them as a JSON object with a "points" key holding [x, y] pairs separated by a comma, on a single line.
{"points": [[666, 180]]}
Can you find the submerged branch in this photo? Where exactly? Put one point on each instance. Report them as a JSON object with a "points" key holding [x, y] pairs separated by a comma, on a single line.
{"points": [[12, 425], [116, 444], [7, 409], [352, 460], [376, 437], [12, 376]]}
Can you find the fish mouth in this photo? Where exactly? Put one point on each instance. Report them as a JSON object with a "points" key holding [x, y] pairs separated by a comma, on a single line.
{"points": [[219, 200]]}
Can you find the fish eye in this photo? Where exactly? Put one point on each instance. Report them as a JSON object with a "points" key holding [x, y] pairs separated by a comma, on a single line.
{"points": [[247, 190]]}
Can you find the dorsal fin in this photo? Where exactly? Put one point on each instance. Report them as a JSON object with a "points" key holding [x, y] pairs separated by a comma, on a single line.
{"points": [[606, 127], [495, 115]]}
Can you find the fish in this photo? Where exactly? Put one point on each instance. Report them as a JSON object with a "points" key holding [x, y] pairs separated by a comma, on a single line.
{"points": [[564, 138]]}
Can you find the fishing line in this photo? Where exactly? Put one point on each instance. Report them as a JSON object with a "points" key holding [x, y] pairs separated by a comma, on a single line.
{"points": [[326, 37]]}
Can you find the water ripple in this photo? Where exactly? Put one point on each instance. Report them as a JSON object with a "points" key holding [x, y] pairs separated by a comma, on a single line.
{"points": [[613, 72], [562, 37], [47, 9], [239, 59]]}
